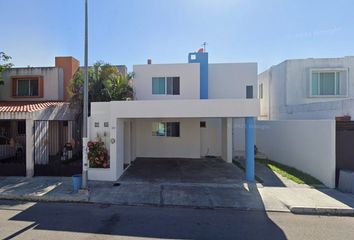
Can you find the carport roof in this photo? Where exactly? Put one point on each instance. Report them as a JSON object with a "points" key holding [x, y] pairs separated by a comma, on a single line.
{"points": [[194, 108]]}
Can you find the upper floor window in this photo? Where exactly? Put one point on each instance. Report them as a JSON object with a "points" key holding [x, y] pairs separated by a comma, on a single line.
{"points": [[328, 83], [165, 85], [27, 86], [261, 90], [249, 91]]}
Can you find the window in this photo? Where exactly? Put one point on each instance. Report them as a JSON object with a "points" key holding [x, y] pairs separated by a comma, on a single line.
{"points": [[173, 129], [158, 129], [21, 127], [328, 83], [249, 91], [173, 85], [23, 86], [203, 124], [261, 90], [165, 85], [158, 85], [166, 129]]}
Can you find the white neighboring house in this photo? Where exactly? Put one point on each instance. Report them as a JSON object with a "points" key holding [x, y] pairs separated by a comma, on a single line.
{"points": [[187, 110], [310, 88], [319, 94]]}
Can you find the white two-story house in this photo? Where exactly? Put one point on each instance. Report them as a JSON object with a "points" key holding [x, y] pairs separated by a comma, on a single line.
{"points": [[185, 110], [313, 88]]}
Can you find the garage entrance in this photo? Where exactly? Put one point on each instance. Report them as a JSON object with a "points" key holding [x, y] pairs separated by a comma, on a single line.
{"points": [[344, 146], [182, 170]]}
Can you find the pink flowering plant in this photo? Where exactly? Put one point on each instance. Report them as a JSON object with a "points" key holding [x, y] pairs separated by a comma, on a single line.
{"points": [[97, 154]]}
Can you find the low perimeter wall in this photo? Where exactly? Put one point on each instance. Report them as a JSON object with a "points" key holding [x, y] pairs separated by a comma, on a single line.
{"points": [[308, 145]]}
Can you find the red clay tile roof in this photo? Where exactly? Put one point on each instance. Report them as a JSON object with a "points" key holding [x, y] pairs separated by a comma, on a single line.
{"points": [[27, 106]]}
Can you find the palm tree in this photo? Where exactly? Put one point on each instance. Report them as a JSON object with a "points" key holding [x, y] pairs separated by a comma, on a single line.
{"points": [[106, 84]]}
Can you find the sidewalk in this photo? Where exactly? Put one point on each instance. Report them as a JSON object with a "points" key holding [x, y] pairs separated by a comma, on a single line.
{"points": [[244, 196], [40, 189]]}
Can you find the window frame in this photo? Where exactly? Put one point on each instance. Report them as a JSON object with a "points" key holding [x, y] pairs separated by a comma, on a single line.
{"points": [[249, 87], [30, 78], [329, 70], [166, 127], [166, 86], [260, 91]]}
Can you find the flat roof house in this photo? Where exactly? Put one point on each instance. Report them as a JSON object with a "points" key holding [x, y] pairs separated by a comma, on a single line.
{"points": [[309, 99], [36, 120], [186, 110]]}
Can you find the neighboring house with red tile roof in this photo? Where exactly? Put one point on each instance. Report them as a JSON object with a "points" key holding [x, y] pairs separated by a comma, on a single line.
{"points": [[36, 119]]}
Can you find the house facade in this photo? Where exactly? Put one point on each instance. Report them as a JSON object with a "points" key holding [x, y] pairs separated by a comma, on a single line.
{"points": [[187, 110], [36, 119], [311, 88], [318, 93]]}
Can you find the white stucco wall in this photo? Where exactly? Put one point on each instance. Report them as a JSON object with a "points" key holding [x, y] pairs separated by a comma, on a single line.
{"points": [[185, 146], [210, 137], [238, 137], [229, 80], [103, 174], [298, 78], [53, 83], [289, 90], [189, 80], [264, 79], [307, 145]]}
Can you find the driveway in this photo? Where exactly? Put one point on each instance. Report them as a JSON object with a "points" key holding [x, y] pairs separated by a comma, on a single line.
{"points": [[207, 182], [182, 170]]}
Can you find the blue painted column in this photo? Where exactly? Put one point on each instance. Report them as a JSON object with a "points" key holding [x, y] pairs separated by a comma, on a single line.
{"points": [[249, 134]]}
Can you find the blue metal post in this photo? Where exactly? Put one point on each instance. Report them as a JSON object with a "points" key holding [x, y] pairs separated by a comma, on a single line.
{"points": [[249, 134]]}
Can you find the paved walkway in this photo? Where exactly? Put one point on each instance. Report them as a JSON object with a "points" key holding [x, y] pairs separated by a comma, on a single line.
{"points": [[243, 195], [39, 189]]}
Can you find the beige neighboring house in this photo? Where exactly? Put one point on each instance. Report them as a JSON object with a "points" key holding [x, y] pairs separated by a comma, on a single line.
{"points": [[36, 119]]}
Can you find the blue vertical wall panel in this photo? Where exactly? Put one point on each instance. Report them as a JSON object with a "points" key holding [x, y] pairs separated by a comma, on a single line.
{"points": [[202, 59]]}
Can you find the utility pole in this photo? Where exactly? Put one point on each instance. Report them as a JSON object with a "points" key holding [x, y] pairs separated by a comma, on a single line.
{"points": [[85, 110]]}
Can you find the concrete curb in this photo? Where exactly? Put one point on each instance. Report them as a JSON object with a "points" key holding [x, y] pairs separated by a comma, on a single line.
{"points": [[45, 199], [322, 211]]}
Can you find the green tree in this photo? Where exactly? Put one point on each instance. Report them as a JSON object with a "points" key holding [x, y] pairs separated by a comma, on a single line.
{"points": [[4, 65], [106, 84]]}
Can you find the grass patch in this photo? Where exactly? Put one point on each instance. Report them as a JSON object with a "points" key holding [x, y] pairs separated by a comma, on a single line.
{"points": [[239, 165], [290, 173]]}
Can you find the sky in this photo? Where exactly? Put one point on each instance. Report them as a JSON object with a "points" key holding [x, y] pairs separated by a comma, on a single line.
{"points": [[131, 31]]}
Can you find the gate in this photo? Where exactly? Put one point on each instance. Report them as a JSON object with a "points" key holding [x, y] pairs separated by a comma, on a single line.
{"points": [[344, 146]]}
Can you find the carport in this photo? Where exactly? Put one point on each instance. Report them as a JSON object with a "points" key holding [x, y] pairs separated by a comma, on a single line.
{"points": [[182, 170], [127, 127]]}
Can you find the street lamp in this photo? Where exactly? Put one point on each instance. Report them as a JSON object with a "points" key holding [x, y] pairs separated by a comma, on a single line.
{"points": [[85, 110]]}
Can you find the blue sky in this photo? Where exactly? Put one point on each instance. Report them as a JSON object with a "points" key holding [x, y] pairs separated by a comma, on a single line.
{"points": [[130, 31]]}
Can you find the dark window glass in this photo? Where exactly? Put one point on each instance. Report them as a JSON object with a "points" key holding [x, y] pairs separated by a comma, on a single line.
{"points": [[203, 124], [249, 91], [173, 85], [173, 129]]}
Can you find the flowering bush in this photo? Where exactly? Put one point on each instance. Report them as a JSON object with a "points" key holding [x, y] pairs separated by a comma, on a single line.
{"points": [[97, 154]]}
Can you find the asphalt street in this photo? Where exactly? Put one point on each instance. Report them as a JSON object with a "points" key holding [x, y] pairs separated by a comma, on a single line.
{"points": [[28, 220]]}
